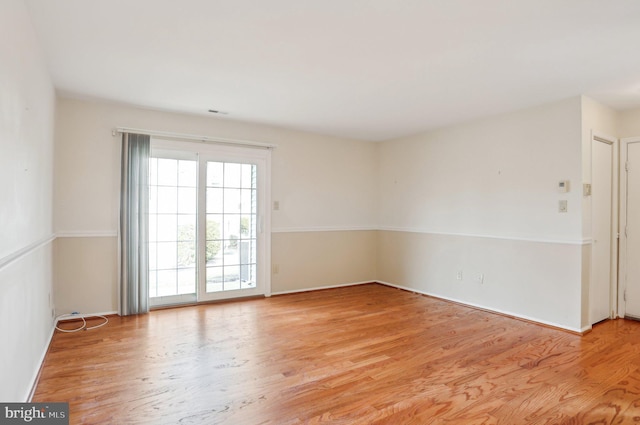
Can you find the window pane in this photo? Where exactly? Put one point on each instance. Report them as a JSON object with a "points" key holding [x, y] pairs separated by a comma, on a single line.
{"points": [[153, 199], [152, 255], [231, 201], [245, 251], [186, 228], [187, 202], [231, 226], [167, 199], [248, 172], [247, 206], [214, 253], [167, 172], [153, 284], [214, 200], [247, 275], [167, 227], [214, 279], [232, 174], [214, 226], [186, 254], [153, 171], [187, 173], [187, 281], [247, 222], [167, 283], [231, 252], [253, 253], [231, 278], [153, 228], [254, 202], [167, 255], [215, 174]]}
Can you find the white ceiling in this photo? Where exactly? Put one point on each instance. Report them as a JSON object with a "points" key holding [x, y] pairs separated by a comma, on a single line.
{"points": [[364, 69]]}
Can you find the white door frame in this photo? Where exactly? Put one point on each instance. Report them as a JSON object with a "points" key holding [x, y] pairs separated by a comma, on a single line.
{"points": [[613, 278], [622, 259]]}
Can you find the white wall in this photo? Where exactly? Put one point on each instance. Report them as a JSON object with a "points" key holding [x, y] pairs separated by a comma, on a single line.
{"points": [[629, 123], [473, 196], [26, 172], [495, 177], [323, 184]]}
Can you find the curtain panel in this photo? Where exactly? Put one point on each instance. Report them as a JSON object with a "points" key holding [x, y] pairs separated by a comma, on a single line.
{"points": [[133, 231]]}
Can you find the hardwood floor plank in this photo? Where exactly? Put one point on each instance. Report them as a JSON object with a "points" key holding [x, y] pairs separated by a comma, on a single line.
{"points": [[367, 354]]}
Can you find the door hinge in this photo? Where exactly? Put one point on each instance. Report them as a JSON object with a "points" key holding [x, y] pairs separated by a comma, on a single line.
{"points": [[626, 166]]}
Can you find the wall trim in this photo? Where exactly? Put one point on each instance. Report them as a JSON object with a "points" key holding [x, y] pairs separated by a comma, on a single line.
{"points": [[492, 310], [322, 229], [320, 288], [585, 241], [12, 258], [113, 234], [87, 234], [81, 315]]}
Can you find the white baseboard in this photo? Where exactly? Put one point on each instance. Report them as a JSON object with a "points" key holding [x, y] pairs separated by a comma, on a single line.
{"points": [[34, 380], [72, 316]]}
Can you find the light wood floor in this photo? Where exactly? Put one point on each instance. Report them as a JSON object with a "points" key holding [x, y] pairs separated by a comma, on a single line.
{"points": [[361, 355]]}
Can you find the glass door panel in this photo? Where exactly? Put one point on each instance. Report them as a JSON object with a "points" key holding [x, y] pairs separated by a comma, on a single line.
{"points": [[231, 226], [172, 230]]}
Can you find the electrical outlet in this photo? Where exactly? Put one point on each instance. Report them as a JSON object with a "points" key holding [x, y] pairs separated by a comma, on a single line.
{"points": [[459, 275], [479, 278], [562, 206]]}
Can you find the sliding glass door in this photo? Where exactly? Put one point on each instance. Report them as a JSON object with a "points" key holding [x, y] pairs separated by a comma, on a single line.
{"points": [[207, 238]]}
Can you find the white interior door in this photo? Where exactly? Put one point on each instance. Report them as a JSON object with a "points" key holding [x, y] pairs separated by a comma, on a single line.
{"points": [[602, 183], [632, 231]]}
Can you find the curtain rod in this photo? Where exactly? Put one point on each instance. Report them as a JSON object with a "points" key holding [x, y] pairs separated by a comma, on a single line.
{"points": [[193, 137]]}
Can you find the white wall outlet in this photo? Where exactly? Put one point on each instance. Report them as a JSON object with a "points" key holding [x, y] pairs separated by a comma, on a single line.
{"points": [[459, 275], [479, 278], [562, 206]]}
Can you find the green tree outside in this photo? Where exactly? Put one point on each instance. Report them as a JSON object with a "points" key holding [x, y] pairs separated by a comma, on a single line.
{"points": [[187, 243]]}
